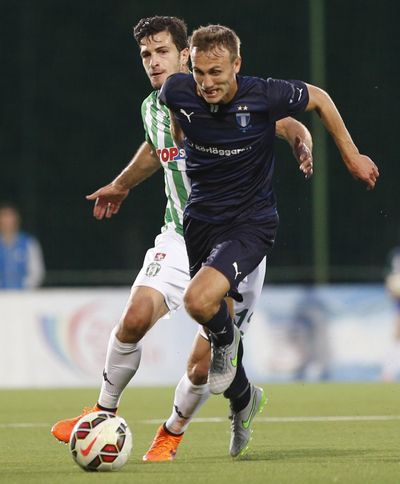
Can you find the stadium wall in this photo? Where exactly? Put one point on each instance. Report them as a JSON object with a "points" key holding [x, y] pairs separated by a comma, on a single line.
{"points": [[58, 337]]}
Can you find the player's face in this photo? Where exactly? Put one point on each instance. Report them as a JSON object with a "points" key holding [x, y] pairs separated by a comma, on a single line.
{"points": [[161, 58], [215, 74]]}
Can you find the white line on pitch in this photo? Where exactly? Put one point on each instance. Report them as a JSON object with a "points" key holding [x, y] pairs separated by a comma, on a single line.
{"points": [[354, 418], [23, 425]]}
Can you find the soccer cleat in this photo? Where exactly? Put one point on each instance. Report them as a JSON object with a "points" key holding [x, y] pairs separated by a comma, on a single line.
{"points": [[164, 446], [241, 425], [63, 428], [224, 360]]}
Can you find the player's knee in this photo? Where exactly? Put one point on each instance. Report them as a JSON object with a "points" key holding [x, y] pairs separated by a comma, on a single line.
{"points": [[198, 306], [133, 326]]}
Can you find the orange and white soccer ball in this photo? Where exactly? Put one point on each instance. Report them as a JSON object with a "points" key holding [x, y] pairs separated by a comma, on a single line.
{"points": [[101, 441]]}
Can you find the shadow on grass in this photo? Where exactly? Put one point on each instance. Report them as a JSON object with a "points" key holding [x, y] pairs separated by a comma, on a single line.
{"points": [[316, 455]]}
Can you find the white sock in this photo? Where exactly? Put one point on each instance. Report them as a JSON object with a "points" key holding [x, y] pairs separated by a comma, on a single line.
{"points": [[188, 400], [122, 361]]}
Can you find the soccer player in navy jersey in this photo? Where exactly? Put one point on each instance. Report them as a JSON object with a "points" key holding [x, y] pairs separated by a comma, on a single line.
{"points": [[226, 123], [159, 287]]}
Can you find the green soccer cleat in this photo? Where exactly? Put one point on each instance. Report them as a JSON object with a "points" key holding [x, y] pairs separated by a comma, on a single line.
{"points": [[224, 361], [241, 426]]}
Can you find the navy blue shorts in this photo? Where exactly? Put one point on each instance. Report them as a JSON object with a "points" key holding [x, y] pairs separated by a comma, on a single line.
{"points": [[235, 250]]}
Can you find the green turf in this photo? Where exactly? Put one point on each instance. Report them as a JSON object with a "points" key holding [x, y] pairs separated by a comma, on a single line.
{"points": [[281, 452]]}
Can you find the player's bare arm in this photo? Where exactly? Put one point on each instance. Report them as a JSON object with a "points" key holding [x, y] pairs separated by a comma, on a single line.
{"points": [[176, 130], [110, 197], [299, 138], [360, 166]]}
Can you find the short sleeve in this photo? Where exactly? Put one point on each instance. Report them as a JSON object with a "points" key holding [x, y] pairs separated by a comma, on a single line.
{"points": [[165, 92], [286, 98], [143, 113]]}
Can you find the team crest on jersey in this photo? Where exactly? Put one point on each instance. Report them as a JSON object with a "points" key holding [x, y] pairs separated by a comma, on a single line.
{"points": [[159, 256], [243, 120], [153, 269]]}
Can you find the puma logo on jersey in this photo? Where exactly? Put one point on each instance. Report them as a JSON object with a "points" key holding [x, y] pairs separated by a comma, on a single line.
{"points": [[235, 266], [186, 114], [300, 93]]}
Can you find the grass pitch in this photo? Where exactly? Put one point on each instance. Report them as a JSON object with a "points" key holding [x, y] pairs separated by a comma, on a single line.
{"points": [[294, 441]]}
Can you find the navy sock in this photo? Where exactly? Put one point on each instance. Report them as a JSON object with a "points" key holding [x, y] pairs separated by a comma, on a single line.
{"points": [[239, 390], [238, 403], [221, 326]]}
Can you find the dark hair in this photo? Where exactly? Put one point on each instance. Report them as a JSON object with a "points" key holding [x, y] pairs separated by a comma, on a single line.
{"points": [[214, 36], [146, 27]]}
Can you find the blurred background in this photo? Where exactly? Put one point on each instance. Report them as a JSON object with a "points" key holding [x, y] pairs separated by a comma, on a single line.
{"points": [[72, 85]]}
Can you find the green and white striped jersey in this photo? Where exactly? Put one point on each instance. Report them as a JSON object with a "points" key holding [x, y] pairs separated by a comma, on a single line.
{"points": [[157, 128]]}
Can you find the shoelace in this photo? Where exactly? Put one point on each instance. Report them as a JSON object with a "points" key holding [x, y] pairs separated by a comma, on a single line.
{"points": [[219, 359], [87, 410], [161, 444]]}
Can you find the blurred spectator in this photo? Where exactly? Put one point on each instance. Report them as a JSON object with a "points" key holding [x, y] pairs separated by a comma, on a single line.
{"points": [[391, 367], [310, 335], [21, 259]]}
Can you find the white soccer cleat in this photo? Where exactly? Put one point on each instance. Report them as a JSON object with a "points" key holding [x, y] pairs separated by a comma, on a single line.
{"points": [[224, 361], [241, 426]]}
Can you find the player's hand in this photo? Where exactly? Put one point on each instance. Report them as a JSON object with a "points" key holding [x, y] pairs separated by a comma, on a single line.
{"points": [[108, 200], [304, 157], [364, 169]]}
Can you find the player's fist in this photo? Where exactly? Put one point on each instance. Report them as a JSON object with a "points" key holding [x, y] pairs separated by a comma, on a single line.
{"points": [[304, 157], [364, 169]]}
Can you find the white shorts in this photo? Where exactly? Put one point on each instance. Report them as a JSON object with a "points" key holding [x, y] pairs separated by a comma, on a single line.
{"points": [[166, 269]]}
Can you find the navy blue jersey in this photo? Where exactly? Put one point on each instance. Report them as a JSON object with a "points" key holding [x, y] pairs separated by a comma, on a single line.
{"points": [[230, 147]]}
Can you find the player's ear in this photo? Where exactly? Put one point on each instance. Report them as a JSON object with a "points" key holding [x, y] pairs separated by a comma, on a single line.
{"points": [[237, 64], [184, 57]]}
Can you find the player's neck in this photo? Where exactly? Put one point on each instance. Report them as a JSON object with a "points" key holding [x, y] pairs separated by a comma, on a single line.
{"points": [[230, 95]]}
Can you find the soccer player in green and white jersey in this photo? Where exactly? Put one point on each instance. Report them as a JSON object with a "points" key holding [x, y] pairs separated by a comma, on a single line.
{"points": [[159, 287]]}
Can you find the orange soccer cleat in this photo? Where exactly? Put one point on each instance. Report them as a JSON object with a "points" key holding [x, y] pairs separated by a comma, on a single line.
{"points": [[164, 446], [63, 428]]}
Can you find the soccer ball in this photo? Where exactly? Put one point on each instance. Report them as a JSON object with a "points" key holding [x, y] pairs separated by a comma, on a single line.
{"points": [[101, 441]]}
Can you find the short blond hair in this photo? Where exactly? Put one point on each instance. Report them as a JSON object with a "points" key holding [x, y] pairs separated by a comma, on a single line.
{"points": [[211, 37]]}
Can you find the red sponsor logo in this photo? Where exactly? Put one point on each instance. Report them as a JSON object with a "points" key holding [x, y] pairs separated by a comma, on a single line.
{"points": [[159, 256], [85, 452], [170, 154]]}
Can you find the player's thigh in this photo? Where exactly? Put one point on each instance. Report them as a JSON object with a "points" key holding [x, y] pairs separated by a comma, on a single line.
{"points": [[166, 268], [250, 289]]}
